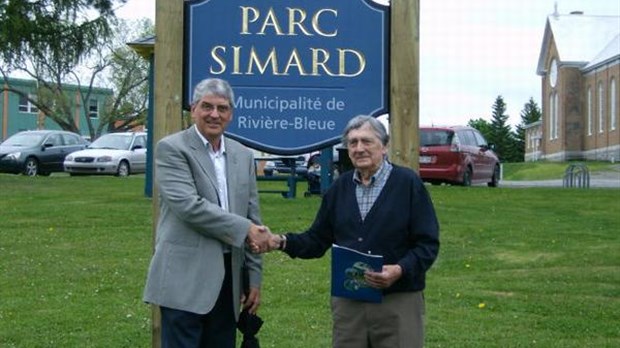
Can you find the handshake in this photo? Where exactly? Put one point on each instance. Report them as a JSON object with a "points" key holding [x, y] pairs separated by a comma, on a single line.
{"points": [[261, 240]]}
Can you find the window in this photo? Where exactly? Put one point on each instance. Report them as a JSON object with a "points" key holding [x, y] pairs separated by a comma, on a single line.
{"points": [[553, 116], [550, 117], [26, 106], [480, 139], [436, 137], [590, 123], [613, 113], [556, 114], [468, 138], [140, 141], [54, 140], [601, 108], [93, 108], [71, 139]]}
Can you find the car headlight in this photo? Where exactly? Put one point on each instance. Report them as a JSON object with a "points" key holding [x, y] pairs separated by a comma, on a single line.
{"points": [[14, 155], [104, 159], [69, 158]]}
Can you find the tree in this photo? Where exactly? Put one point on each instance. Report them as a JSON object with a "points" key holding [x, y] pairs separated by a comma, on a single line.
{"points": [[111, 64], [46, 40], [55, 30], [501, 135], [128, 77], [530, 114]]}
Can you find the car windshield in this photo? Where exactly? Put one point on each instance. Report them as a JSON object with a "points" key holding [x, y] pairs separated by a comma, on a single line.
{"points": [[24, 139], [299, 161], [431, 137], [112, 141]]}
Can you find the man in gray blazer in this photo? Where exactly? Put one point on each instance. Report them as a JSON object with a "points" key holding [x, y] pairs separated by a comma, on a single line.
{"points": [[208, 223]]}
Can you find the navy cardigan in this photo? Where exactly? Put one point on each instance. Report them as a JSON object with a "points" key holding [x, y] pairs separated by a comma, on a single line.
{"points": [[401, 226]]}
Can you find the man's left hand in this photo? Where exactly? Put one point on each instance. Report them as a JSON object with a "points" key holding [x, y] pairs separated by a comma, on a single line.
{"points": [[252, 300], [385, 278]]}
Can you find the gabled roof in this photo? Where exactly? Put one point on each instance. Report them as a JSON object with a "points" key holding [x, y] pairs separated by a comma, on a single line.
{"points": [[580, 40]]}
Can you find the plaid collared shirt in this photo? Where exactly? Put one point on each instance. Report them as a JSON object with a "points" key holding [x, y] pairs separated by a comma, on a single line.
{"points": [[367, 195]]}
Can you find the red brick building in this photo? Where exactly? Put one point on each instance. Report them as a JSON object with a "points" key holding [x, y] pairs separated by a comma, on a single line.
{"points": [[579, 64]]}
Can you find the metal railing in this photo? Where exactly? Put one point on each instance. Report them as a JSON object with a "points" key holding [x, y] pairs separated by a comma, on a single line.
{"points": [[577, 175]]}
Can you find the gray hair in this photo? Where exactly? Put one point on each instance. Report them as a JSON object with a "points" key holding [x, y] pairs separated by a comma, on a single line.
{"points": [[359, 121], [213, 87]]}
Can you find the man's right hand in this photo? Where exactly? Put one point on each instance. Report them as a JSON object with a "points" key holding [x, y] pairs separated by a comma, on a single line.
{"points": [[258, 238]]}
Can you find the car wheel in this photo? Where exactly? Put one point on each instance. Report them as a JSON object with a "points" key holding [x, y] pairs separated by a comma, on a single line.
{"points": [[31, 168], [123, 169], [467, 177], [495, 178]]}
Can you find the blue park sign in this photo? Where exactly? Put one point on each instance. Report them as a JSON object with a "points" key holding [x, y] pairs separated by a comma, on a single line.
{"points": [[300, 69]]}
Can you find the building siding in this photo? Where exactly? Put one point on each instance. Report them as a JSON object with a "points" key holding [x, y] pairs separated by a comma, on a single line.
{"points": [[13, 120]]}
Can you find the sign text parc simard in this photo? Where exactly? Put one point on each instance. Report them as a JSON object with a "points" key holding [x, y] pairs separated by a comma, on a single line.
{"points": [[300, 69]]}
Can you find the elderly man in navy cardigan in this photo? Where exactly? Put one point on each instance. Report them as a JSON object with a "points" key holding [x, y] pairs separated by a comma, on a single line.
{"points": [[377, 208]]}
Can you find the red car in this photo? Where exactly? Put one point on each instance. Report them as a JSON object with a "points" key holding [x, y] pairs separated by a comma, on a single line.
{"points": [[457, 155]]}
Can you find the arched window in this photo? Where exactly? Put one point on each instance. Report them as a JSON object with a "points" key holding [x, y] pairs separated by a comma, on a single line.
{"points": [[589, 111], [556, 115], [551, 118], [601, 108], [554, 121], [613, 112]]}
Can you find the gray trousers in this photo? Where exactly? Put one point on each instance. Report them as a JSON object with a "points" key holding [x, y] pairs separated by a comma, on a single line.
{"points": [[397, 322]]}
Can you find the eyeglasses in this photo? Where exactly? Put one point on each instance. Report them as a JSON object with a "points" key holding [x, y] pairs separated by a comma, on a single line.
{"points": [[353, 142], [208, 107]]}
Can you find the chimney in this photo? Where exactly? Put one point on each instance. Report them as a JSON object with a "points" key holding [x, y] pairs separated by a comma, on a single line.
{"points": [[555, 14]]}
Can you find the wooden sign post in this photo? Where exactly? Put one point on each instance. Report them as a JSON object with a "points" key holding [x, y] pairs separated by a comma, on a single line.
{"points": [[168, 88], [404, 83]]}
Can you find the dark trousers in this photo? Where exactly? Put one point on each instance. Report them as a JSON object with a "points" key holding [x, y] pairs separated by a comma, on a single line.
{"points": [[216, 329]]}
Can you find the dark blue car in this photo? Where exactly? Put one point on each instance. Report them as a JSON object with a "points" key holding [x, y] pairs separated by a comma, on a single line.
{"points": [[38, 152]]}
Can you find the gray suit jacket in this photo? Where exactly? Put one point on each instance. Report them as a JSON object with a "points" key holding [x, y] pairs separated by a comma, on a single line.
{"points": [[187, 268]]}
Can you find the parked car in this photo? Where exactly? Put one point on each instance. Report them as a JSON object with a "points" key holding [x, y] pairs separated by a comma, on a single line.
{"points": [[119, 154], [457, 155], [282, 165], [38, 152]]}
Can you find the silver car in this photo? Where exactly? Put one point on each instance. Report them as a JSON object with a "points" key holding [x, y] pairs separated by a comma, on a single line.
{"points": [[119, 154]]}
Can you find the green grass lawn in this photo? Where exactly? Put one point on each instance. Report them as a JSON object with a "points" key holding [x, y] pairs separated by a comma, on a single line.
{"points": [[533, 267], [550, 170]]}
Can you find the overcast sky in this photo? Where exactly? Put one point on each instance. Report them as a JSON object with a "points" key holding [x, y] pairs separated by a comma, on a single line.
{"points": [[471, 52]]}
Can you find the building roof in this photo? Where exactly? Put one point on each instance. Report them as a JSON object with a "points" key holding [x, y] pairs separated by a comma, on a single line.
{"points": [[33, 83], [609, 53], [582, 41], [144, 46]]}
